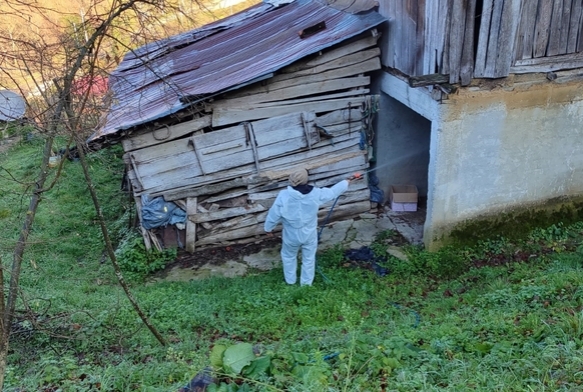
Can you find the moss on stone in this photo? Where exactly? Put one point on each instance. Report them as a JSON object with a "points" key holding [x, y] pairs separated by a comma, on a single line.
{"points": [[517, 223]]}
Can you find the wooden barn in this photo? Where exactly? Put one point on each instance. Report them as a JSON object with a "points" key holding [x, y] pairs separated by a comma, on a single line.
{"points": [[213, 120]]}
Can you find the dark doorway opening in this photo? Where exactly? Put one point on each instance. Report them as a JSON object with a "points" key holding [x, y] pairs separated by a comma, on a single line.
{"points": [[401, 157]]}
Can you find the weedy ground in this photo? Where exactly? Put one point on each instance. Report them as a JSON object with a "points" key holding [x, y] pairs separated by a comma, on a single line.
{"points": [[499, 316]]}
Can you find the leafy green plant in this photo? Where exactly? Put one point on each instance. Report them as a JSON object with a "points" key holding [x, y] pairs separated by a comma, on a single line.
{"points": [[238, 361], [133, 256], [448, 320]]}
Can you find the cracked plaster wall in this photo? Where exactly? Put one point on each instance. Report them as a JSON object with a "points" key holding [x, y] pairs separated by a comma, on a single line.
{"points": [[497, 147]]}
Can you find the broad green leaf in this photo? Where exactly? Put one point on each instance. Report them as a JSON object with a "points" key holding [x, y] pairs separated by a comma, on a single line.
{"points": [[310, 375], [300, 357], [216, 356], [244, 388], [258, 367], [484, 347], [393, 363], [236, 357]]}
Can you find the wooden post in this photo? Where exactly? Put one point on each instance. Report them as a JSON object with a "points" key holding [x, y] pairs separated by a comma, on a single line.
{"points": [[197, 154], [251, 133], [190, 225], [135, 167], [144, 232], [306, 130]]}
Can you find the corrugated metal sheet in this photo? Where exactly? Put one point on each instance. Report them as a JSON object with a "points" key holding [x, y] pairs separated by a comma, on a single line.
{"points": [[151, 81]]}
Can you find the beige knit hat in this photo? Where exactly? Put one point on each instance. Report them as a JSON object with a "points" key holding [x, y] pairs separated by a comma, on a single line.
{"points": [[299, 177]]}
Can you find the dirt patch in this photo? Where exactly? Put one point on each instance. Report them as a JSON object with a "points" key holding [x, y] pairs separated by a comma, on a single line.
{"points": [[7, 143], [219, 255]]}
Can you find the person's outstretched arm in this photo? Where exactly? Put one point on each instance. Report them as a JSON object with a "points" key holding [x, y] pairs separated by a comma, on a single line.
{"points": [[329, 194], [274, 214]]}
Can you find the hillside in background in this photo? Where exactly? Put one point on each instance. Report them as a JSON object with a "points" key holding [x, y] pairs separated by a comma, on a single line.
{"points": [[36, 34]]}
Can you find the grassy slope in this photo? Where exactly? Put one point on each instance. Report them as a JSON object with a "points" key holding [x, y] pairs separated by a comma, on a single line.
{"points": [[512, 327]]}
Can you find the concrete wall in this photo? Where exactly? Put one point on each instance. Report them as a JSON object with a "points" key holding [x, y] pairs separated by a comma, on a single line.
{"points": [[497, 147], [402, 148]]}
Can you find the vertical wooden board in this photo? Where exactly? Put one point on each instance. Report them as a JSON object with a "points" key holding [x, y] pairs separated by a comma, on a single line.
{"points": [[483, 38], [190, 225], [553, 47], [580, 39], [565, 23], [443, 37], [493, 40], [528, 18], [574, 26], [432, 34], [421, 27], [387, 9], [136, 185], [541, 28], [410, 43], [458, 25], [397, 31], [428, 48], [467, 60], [508, 29]]}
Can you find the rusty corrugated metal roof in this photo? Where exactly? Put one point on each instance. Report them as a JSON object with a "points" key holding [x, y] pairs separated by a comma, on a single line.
{"points": [[152, 81]]}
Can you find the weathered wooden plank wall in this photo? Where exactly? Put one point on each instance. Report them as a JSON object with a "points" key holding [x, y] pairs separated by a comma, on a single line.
{"points": [[407, 35], [549, 36], [227, 167], [482, 38]]}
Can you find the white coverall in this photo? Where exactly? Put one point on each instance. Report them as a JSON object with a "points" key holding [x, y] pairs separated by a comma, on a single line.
{"points": [[299, 215]]}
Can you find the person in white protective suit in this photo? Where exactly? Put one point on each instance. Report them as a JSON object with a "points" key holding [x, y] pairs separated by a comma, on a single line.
{"points": [[296, 207]]}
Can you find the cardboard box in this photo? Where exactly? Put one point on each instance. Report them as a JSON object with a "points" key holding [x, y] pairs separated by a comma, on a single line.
{"points": [[403, 197]]}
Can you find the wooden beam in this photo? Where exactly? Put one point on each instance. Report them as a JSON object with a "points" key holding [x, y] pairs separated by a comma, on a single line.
{"points": [[191, 211], [350, 93], [547, 64], [427, 80], [333, 54], [294, 91], [340, 211], [277, 83], [235, 115], [165, 134], [225, 213]]}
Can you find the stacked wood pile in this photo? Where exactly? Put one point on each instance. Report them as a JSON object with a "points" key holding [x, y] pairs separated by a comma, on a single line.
{"points": [[226, 167]]}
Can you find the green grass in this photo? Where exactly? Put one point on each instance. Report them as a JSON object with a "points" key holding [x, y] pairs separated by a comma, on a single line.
{"points": [[500, 316]]}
